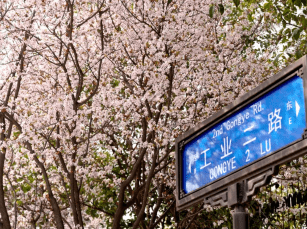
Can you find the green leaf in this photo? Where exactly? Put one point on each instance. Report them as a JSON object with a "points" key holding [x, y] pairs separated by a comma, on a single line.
{"points": [[250, 17], [284, 23], [26, 187], [16, 134], [276, 59], [236, 2], [221, 8], [288, 31], [298, 3], [267, 6], [289, 54], [296, 33], [211, 10], [114, 83], [19, 202], [298, 54]]}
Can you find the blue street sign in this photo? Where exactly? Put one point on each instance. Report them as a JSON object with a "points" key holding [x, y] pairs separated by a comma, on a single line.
{"points": [[260, 128]]}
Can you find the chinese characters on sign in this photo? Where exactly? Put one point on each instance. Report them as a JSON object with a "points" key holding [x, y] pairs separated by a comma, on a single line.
{"points": [[268, 124]]}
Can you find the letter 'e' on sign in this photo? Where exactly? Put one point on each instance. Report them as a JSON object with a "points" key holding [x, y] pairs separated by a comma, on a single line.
{"points": [[246, 141]]}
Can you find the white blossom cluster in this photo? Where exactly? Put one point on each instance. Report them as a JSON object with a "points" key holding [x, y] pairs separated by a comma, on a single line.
{"points": [[94, 94]]}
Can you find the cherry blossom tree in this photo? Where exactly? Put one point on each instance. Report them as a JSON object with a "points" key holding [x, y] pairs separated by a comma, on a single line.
{"points": [[94, 93]]}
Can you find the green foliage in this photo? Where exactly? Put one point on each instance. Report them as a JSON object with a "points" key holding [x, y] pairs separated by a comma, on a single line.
{"points": [[114, 82], [16, 134], [221, 8], [288, 30], [211, 11], [296, 33], [26, 187], [236, 2]]}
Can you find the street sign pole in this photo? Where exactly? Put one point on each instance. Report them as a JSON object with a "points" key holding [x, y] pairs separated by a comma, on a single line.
{"points": [[240, 218], [237, 194]]}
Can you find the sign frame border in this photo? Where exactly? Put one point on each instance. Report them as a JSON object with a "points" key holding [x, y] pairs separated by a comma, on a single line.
{"points": [[254, 175]]}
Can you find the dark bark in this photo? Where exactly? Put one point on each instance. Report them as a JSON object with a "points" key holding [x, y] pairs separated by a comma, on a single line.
{"points": [[55, 207], [121, 198], [158, 204], [3, 210], [147, 187]]}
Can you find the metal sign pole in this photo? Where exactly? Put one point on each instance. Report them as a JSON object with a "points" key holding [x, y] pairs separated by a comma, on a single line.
{"points": [[240, 218]]}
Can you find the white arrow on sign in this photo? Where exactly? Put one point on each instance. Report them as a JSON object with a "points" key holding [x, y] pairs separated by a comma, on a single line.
{"points": [[297, 108]]}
